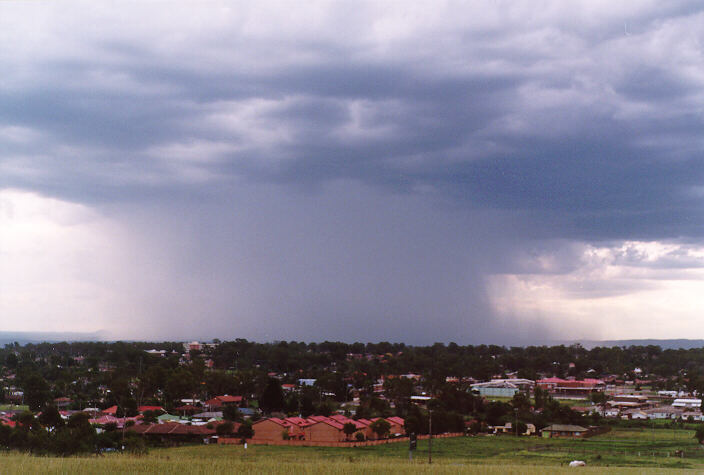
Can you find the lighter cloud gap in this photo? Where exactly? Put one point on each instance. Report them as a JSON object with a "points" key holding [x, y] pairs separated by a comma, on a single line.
{"points": [[54, 254], [630, 289]]}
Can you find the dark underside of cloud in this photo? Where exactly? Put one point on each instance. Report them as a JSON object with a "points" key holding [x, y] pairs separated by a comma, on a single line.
{"points": [[341, 185]]}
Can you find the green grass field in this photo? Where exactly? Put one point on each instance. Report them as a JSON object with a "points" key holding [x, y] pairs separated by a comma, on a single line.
{"points": [[621, 451]]}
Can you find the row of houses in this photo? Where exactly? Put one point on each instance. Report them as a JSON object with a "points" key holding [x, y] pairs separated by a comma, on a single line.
{"points": [[321, 428]]}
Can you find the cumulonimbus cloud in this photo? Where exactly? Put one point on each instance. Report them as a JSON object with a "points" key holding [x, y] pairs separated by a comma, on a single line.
{"points": [[522, 123]]}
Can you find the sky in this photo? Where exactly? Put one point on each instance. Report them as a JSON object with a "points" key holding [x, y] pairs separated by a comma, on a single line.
{"points": [[477, 172]]}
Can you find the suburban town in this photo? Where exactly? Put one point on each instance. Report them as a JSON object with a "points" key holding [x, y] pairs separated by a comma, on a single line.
{"points": [[139, 395]]}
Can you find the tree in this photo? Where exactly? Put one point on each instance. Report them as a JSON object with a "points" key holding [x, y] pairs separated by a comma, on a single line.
{"points": [[11, 361], [226, 428], [521, 402], [150, 416], [381, 428], [50, 418], [77, 436], [245, 431], [540, 397], [349, 428], [231, 413], [36, 391], [699, 434], [599, 398], [272, 399]]}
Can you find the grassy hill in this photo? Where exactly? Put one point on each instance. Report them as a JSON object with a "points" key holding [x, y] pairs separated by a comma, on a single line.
{"points": [[621, 451]]}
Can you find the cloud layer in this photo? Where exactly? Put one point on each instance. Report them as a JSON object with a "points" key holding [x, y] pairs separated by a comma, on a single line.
{"points": [[357, 171]]}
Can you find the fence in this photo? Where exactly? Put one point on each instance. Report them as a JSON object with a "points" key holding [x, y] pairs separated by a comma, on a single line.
{"points": [[577, 451], [310, 443]]}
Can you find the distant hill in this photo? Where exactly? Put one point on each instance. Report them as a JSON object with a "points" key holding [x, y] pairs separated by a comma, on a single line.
{"points": [[664, 344], [38, 337]]}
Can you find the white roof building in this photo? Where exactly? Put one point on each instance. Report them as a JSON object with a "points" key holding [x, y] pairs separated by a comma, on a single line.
{"points": [[687, 402]]}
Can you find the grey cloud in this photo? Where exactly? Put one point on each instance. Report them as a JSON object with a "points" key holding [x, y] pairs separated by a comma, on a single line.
{"points": [[551, 123]]}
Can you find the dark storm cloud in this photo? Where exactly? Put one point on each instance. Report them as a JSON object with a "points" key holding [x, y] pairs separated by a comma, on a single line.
{"points": [[546, 123]]}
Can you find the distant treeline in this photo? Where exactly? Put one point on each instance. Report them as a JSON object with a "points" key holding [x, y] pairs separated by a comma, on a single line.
{"points": [[436, 361]]}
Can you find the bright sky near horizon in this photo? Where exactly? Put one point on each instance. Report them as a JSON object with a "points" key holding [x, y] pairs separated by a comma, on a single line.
{"points": [[477, 172]]}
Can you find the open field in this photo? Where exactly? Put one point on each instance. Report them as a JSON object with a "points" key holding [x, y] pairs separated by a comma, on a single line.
{"points": [[565, 402], [621, 451]]}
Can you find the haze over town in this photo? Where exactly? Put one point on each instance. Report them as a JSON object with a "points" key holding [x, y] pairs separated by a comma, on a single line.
{"points": [[478, 172]]}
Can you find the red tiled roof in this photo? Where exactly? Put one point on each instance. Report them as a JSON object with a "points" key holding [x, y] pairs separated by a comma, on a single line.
{"points": [[149, 408], [396, 420], [220, 400], [275, 420], [112, 410], [297, 421], [346, 420], [7, 422], [551, 380], [324, 420], [102, 420], [227, 398], [319, 418]]}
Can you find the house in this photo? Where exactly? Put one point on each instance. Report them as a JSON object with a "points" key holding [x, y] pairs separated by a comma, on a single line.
{"points": [[495, 389], [571, 387], [270, 429], [664, 412], [247, 412], [397, 428], [7, 421], [564, 430], [687, 403], [504, 429], [634, 414], [319, 428], [217, 403], [692, 415], [208, 416], [154, 352], [508, 429], [167, 418], [174, 432], [143, 409], [325, 430], [362, 426], [192, 346], [104, 420], [296, 425]]}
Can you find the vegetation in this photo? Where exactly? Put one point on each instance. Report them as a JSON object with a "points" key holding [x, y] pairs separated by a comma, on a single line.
{"points": [[631, 451], [76, 436], [125, 375]]}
